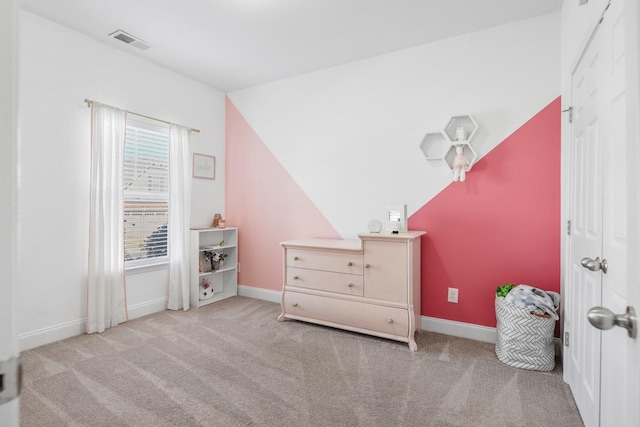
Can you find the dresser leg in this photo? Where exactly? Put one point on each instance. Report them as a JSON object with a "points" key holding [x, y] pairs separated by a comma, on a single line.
{"points": [[281, 317], [412, 344], [412, 329]]}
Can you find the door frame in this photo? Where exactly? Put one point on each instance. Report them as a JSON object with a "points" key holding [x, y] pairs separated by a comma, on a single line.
{"points": [[9, 360]]}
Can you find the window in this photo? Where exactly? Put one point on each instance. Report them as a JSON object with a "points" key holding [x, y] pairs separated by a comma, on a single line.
{"points": [[146, 191]]}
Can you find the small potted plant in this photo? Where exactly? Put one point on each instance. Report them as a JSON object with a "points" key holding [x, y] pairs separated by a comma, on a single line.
{"points": [[220, 256], [216, 258]]}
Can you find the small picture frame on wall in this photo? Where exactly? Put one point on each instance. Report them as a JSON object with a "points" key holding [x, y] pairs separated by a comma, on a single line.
{"points": [[204, 166]]}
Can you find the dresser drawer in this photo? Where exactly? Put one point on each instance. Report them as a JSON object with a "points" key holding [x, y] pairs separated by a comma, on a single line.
{"points": [[347, 314], [339, 262], [325, 281]]}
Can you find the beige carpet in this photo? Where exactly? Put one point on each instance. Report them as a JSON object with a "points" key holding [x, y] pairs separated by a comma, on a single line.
{"points": [[233, 364]]}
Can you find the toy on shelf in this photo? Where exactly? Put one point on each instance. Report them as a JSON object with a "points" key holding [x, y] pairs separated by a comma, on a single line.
{"points": [[460, 164], [453, 145], [206, 290], [215, 220]]}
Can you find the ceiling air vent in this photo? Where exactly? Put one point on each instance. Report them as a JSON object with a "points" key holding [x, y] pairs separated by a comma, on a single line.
{"points": [[130, 40]]}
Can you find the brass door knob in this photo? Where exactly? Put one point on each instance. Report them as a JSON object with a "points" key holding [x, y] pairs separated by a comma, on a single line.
{"points": [[367, 266], [350, 285], [295, 277], [295, 304], [295, 258], [390, 321], [350, 264]]}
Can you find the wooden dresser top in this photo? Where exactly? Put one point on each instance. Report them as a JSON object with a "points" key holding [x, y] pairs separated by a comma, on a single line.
{"points": [[350, 245]]}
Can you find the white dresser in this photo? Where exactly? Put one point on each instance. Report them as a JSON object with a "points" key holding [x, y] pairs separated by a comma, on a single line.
{"points": [[371, 285]]}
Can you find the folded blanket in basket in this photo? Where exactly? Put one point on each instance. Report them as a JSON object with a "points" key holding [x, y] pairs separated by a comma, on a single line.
{"points": [[528, 297]]}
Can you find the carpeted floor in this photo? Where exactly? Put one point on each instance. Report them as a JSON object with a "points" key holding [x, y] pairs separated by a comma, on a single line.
{"points": [[232, 364]]}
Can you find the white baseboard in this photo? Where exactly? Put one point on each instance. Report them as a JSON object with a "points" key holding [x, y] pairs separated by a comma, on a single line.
{"points": [[459, 329], [66, 330], [51, 334], [147, 307], [74, 328], [432, 324], [258, 293]]}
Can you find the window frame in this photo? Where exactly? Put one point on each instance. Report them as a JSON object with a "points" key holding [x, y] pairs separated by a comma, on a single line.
{"points": [[137, 127]]}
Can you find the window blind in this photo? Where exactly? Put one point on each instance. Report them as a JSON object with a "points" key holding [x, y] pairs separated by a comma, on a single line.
{"points": [[146, 190]]}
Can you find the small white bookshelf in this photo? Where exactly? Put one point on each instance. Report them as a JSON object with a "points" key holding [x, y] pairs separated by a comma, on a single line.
{"points": [[213, 281]]}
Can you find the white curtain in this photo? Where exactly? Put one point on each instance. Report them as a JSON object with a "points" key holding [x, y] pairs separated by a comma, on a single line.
{"points": [[106, 301], [179, 217]]}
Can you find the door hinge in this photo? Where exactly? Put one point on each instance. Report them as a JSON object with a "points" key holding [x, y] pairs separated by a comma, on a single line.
{"points": [[569, 227], [10, 379], [570, 111], [566, 339]]}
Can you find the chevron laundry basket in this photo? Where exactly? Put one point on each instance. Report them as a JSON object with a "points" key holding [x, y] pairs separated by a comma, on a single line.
{"points": [[524, 339]]}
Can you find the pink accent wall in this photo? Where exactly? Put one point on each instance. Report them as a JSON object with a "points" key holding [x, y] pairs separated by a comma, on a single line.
{"points": [[265, 203], [502, 225]]}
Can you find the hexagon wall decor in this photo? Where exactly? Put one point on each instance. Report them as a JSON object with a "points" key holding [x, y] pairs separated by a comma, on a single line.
{"points": [[441, 145]]}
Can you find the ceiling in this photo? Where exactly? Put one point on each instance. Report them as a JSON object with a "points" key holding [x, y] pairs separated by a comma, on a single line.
{"points": [[234, 44]]}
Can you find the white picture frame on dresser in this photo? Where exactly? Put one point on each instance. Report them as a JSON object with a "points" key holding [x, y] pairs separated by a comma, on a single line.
{"points": [[395, 218], [370, 285]]}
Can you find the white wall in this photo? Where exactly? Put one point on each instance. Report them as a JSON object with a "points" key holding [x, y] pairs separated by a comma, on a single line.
{"points": [[353, 124], [59, 68]]}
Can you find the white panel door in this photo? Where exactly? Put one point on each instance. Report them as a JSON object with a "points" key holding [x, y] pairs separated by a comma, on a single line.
{"points": [[584, 287], [620, 374], [602, 367]]}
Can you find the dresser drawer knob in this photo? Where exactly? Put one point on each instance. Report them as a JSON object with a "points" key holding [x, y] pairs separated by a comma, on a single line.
{"points": [[367, 266], [295, 304], [350, 285], [350, 264], [295, 258], [295, 277], [390, 321]]}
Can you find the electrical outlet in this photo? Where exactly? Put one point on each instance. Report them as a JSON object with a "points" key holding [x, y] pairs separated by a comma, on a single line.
{"points": [[452, 295]]}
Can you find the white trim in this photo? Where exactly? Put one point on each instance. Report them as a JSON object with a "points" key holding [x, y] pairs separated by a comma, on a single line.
{"points": [[51, 334], [74, 328], [145, 265], [258, 293], [146, 308], [70, 329], [459, 329], [10, 413], [432, 324]]}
